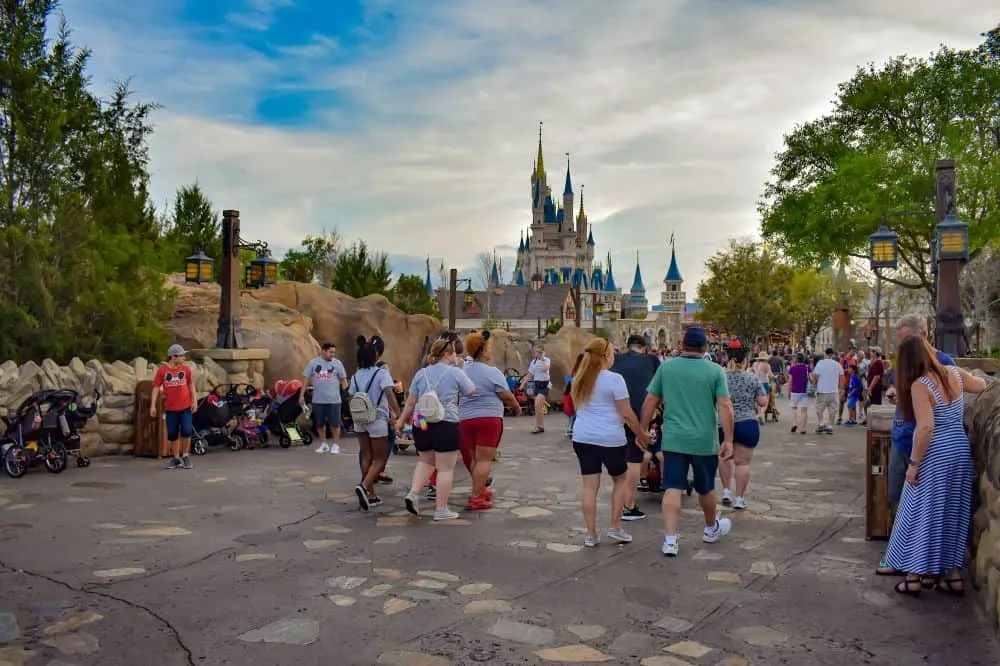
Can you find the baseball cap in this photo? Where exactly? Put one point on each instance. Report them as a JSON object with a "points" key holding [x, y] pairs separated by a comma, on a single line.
{"points": [[176, 350], [829, 351], [635, 340], [695, 338]]}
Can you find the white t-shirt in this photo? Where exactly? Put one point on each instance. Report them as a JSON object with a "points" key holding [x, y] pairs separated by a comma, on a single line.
{"points": [[597, 420], [539, 369], [829, 373]]}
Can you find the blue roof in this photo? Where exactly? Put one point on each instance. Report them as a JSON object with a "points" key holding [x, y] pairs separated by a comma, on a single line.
{"points": [[494, 274], [536, 198], [519, 279], [590, 237], [673, 274], [428, 285], [520, 246], [609, 281], [527, 241], [580, 278], [597, 279], [550, 211], [637, 286], [560, 216], [568, 189]]}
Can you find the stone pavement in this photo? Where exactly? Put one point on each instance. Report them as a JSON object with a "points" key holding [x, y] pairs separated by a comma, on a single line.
{"points": [[262, 558]]}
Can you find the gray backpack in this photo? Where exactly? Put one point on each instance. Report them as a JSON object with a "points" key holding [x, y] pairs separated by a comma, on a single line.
{"points": [[363, 410]]}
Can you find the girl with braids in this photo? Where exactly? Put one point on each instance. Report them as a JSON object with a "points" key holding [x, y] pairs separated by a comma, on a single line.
{"points": [[481, 414], [373, 437]]}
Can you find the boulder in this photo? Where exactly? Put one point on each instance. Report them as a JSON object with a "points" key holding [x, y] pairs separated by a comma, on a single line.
{"points": [[982, 422], [510, 351]]}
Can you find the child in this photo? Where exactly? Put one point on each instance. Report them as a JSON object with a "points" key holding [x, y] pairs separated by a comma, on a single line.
{"points": [[855, 391]]}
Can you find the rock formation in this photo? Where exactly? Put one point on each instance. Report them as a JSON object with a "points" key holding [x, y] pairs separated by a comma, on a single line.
{"points": [[982, 421]]}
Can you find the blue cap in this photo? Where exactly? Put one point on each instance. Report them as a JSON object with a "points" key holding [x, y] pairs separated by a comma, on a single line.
{"points": [[695, 338], [175, 351]]}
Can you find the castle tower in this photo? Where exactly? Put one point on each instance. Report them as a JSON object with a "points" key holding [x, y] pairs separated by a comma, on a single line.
{"points": [[428, 285], [567, 204], [581, 224], [673, 299], [637, 302]]}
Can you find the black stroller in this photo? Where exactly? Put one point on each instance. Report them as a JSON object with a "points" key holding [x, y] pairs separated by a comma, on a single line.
{"points": [[45, 429], [211, 421], [284, 412]]}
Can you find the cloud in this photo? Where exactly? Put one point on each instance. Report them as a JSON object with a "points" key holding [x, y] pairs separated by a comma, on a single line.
{"points": [[416, 123]]}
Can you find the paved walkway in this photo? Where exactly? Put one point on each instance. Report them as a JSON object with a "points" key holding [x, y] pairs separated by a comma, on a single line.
{"points": [[262, 558]]}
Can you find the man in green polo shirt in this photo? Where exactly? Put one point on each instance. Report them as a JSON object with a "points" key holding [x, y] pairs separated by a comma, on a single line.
{"points": [[696, 405]]}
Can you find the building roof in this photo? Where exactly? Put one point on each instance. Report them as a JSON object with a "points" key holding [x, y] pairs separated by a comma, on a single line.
{"points": [[637, 286], [673, 273], [514, 302], [568, 189]]}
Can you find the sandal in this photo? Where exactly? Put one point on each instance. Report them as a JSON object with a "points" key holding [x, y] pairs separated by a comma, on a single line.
{"points": [[950, 586], [537, 430], [905, 586], [884, 569]]}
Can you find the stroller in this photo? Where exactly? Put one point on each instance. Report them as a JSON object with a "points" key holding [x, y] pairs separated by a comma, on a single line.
{"points": [[771, 411], [283, 413], [250, 428], [45, 429], [524, 398], [211, 420]]}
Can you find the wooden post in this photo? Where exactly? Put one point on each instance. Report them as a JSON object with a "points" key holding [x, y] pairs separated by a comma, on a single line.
{"points": [[950, 328], [579, 305], [228, 334], [452, 298]]}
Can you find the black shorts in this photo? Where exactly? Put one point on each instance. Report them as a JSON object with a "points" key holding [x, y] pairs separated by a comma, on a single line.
{"points": [[594, 458], [440, 437]]}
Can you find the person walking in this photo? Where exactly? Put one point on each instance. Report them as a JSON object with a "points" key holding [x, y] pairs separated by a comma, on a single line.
{"points": [[695, 399], [175, 381], [538, 375], [637, 368], [762, 371], [602, 409], [747, 395], [827, 376], [372, 401], [798, 396], [327, 377], [433, 402], [931, 530]]}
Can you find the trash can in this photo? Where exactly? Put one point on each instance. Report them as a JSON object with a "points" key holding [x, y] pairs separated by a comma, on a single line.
{"points": [[150, 439], [879, 514]]}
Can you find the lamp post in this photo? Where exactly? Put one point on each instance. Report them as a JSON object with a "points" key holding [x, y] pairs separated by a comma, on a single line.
{"points": [[578, 305], [229, 334], [598, 309], [952, 250], [469, 296]]}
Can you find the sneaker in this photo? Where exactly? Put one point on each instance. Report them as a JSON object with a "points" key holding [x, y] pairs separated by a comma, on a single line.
{"points": [[794, 428], [633, 514], [383, 478], [727, 497], [185, 462], [591, 541], [669, 547], [413, 503], [643, 485], [323, 448], [479, 504], [739, 503], [432, 492], [621, 536], [445, 514], [174, 464], [721, 529], [374, 501], [840, 421], [335, 449], [850, 423], [362, 494]]}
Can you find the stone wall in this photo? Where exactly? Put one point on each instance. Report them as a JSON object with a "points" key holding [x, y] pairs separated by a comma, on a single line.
{"points": [[111, 431], [982, 421]]}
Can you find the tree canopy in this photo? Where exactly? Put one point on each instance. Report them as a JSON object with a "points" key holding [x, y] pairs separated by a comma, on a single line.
{"points": [[409, 294], [193, 225], [874, 153], [360, 272]]}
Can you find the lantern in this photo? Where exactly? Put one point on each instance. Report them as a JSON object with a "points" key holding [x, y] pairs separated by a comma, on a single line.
{"points": [[598, 306], [261, 272], [470, 294], [537, 281], [952, 239], [198, 268], [883, 248]]}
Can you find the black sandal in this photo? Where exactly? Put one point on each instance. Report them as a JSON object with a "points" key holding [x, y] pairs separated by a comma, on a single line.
{"points": [[948, 586], [906, 586]]}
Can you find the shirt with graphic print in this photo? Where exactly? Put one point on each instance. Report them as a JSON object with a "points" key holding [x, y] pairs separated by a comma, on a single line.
{"points": [[744, 388], [177, 384], [326, 377]]}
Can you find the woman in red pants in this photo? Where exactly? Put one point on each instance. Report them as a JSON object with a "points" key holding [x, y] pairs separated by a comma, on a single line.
{"points": [[480, 425]]}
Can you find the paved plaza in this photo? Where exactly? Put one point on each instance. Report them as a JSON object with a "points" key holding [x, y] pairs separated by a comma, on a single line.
{"points": [[262, 558]]}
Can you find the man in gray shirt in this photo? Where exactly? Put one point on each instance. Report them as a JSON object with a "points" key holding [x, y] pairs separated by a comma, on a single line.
{"points": [[327, 376]]}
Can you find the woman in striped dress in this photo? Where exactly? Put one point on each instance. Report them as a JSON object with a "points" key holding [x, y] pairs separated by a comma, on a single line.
{"points": [[932, 527]]}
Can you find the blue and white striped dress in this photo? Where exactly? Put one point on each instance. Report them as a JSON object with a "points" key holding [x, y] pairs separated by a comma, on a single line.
{"points": [[931, 530]]}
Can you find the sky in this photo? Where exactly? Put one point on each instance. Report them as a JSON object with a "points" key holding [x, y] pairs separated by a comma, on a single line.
{"points": [[412, 124]]}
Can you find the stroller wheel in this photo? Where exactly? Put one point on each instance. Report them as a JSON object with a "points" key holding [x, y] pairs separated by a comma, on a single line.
{"points": [[307, 438], [198, 446], [236, 442], [285, 441], [15, 460], [56, 458]]}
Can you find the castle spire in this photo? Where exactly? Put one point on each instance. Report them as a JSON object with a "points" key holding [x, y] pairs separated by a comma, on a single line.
{"points": [[428, 285], [568, 189], [673, 273], [609, 277], [582, 215], [540, 160], [637, 285]]}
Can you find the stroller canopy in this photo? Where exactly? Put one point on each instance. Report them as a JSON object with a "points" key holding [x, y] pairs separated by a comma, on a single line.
{"points": [[284, 389]]}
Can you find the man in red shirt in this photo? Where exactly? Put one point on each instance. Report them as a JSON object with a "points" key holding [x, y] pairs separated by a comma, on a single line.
{"points": [[175, 381]]}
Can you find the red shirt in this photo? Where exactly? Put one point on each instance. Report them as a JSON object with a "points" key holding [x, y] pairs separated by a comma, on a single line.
{"points": [[177, 385]]}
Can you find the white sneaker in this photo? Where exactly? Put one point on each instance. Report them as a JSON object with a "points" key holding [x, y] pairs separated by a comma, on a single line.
{"points": [[591, 541], [739, 503], [323, 448], [335, 449], [727, 496], [669, 548], [721, 529], [445, 514]]}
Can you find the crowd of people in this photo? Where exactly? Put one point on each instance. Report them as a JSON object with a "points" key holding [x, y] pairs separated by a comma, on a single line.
{"points": [[691, 415]]}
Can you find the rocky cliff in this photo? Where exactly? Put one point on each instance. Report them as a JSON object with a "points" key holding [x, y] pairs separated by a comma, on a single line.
{"points": [[982, 421]]}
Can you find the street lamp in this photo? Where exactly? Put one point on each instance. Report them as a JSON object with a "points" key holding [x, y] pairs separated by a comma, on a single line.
{"points": [[262, 271], [537, 281], [198, 268], [469, 293], [229, 334], [952, 242], [883, 248]]}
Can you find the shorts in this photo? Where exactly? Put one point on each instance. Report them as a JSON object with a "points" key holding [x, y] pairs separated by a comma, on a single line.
{"points": [[745, 433], [440, 437], [798, 400], [898, 462], [377, 428], [767, 387], [852, 403], [326, 414], [634, 452], [541, 388], [875, 398], [593, 458], [481, 431], [179, 424], [826, 401], [675, 472]]}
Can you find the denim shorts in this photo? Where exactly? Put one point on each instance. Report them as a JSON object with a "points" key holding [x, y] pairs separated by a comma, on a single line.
{"points": [[675, 472], [179, 424], [541, 388], [745, 433], [326, 414]]}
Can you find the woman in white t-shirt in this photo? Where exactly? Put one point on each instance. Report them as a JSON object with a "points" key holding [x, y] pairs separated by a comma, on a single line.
{"points": [[373, 438], [538, 375], [602, 406]]}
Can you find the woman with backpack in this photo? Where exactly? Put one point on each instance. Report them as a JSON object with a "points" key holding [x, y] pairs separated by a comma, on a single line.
{"points": [[433, 404], [371, 400]]}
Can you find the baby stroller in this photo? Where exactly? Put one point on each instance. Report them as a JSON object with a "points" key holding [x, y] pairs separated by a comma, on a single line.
{"points": [[250, 428], [45, 429], [514, 384], [211, 421], [283, 413], [771, 411]]}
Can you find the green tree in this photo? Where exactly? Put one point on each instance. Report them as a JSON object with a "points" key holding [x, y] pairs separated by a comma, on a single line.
{"points": [[193, 225], [874, 153], [315, 261], [410, 295], [79, 241], [297, 266], [746, 291], [359, 272], [812, 298]]}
